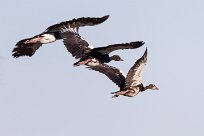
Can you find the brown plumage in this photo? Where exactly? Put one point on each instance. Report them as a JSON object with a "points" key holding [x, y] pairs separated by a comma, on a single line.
{"points": [[28, 46], [132, 84]]}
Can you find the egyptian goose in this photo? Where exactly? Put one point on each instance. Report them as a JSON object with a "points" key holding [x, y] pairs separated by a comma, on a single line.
{"points": [[132, 84], [28, 46]]}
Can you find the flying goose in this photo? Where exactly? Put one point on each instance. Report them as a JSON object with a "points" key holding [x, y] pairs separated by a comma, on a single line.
{"points": [[132, 84], [28, 46], [82, 50]]}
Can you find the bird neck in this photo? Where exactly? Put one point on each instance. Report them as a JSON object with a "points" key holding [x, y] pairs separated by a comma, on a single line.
{"points": [[112, 58], [141, 87], [147, 87], [57, 35]]}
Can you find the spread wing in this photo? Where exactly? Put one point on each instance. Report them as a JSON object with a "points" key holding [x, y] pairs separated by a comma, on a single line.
{"points": [[25, 49], [134, 74], [76, 23], [112, 73], [113, 47], [75, 44]]}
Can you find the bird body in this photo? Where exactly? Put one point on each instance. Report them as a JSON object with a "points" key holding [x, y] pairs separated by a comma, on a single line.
{"points": [[130, 85], [99, 53]]}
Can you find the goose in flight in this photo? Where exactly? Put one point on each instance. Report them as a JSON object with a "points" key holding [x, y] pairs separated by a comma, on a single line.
{"points": [[87, 55], [132, 84], [28, 46]]}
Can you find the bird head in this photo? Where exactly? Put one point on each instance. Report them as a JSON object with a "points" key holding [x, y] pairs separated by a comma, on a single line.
{"points": [[116, 58], [153, 87]]}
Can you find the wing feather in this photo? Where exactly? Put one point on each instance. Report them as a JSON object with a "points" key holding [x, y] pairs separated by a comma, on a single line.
{"points": [[76, 23], [75, 44], [134, 74], [112, 73], [113, 47]]}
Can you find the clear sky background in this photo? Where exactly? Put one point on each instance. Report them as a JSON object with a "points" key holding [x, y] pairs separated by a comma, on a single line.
{"points": [[44, 95]]}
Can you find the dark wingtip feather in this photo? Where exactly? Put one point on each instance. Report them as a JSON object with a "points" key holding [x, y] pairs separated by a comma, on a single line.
{"points": [[105, 17], [101, 19], [146, 51], [145, 55], [137, 43], [21, 51]]}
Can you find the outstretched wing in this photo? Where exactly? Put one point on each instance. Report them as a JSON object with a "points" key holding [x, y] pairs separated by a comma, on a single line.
{"points": [[76, 23], [75, 44], [25, 49], [113, 47], [134, 74], [112, 73]]}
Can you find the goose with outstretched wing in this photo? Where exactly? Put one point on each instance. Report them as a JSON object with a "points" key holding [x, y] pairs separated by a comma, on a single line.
{"points": [[132, 84], [28, 46], [87, 55]]}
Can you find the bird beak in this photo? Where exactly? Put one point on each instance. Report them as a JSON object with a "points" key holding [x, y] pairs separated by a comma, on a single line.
{"points": [[121, 60], [34, 40], [156, 88]]}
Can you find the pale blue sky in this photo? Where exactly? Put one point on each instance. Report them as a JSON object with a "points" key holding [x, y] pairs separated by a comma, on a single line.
{"points": [[45, 96]]}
